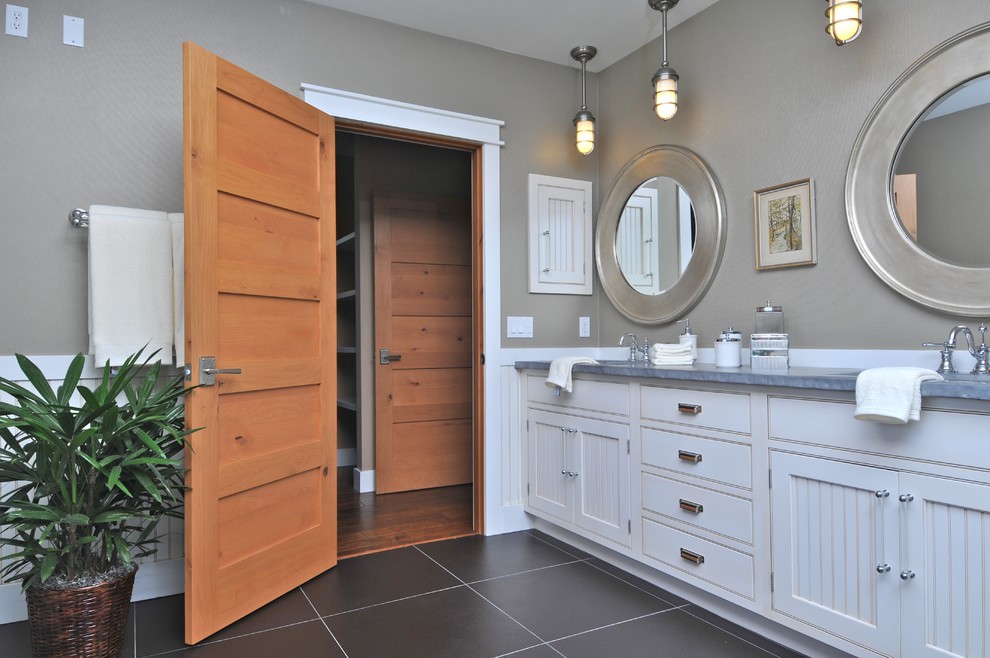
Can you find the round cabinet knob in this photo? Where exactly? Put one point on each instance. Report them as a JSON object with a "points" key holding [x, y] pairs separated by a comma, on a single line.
{"points": [[907, 575], [883, 568]]}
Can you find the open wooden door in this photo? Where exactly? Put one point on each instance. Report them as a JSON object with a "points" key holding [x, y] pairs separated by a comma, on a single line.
{"points": [[423, 317], [259, 297]]}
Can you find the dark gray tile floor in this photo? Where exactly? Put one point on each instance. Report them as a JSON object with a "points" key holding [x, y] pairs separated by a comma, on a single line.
{"points": [[523, 594]]}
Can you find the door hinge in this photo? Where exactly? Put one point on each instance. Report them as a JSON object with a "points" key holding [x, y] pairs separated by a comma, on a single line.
{"points": [[629, 526], [628, 447], [482, 358], [771, 581], [770, 477], [527, 488], [527, 424]]}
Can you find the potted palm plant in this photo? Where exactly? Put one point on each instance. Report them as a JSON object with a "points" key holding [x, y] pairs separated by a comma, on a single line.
{"points": [[86, 474]]}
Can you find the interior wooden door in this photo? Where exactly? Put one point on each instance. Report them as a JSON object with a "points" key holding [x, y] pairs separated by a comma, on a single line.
{"points": [[423, 317], [259, 297]]}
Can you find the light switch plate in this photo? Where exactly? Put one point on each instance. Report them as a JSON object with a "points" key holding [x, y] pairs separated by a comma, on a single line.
{"points": [[72, 31], [519, 327], [584, 327]]}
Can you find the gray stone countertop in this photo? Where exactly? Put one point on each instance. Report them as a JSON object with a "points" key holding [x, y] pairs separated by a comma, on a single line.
{"points": [[957, 385]]}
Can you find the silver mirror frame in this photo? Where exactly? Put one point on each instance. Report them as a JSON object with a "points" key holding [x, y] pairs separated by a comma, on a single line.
{"points": [[694, 175], [873, 222]]}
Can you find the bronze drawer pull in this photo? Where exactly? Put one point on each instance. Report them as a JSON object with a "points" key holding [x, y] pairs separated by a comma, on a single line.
{"points": [[692, 557], [685, 456], [689, 506], [687, 408]]}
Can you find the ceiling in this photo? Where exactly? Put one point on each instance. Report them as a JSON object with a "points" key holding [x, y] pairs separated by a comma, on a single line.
{"points": [[542, 29]]}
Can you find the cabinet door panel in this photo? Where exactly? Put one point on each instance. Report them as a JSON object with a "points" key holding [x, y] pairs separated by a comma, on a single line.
{"points": [[947, 531], [602, 494], [549, 484], [829, 533]]}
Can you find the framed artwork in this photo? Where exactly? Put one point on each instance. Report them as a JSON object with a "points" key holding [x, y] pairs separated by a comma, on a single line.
{"points": [[785, 225]]}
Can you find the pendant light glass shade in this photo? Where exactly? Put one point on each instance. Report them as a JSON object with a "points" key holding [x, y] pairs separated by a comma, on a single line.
{"points": [[584, 121], [845, 20], [665, 79], [665, 92], [584, 130]]}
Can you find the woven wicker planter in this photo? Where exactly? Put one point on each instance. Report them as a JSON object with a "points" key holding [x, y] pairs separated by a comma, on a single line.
{"points": [[88, 622]]}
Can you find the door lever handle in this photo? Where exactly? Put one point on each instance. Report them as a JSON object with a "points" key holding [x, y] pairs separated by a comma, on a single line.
{"points": [[385, 358], [208, 371]]}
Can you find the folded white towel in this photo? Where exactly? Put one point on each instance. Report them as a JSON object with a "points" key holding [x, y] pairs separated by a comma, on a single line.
{"points": [[130, 283], [891, 395], [685, 360], [669, 349], [560, 371], [177, 219]]}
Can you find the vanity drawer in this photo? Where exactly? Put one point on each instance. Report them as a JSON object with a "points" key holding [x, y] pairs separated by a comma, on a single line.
{"points": [[696, 456], [946, 437], [603, 397], [719, 565], [684, 406], [711, 510]]}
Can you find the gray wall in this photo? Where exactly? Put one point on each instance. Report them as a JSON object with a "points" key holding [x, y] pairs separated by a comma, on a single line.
{"points": [[767, 98], [102, 124]]}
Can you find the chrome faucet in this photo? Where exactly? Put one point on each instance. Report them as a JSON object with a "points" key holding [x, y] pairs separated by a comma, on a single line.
{"points": [[981, 353], [632, 346]]}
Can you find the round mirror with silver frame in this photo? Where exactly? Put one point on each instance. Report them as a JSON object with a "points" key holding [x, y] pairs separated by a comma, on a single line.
{"points": [[700, 185], [876, 228]]}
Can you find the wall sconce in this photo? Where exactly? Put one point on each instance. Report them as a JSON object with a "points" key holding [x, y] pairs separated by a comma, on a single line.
{"points": [[845, 20], [665, 79], [584, 121]]}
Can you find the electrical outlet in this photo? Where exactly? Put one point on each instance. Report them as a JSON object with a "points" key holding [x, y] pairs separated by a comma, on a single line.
{"points": [[17, 21]]}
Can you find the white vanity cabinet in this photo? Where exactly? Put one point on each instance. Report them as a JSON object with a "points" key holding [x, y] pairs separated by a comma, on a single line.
{"points": [[696, 479], [774, 502], [880, 535], [578, 457]]}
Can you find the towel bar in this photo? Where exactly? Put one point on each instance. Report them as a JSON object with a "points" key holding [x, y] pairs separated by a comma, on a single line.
{"points": [[79, 218]]}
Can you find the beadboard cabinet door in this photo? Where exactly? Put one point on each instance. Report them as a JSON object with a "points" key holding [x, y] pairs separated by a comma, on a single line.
{"points": [[579, 473], [946, 566], [835, 542]]}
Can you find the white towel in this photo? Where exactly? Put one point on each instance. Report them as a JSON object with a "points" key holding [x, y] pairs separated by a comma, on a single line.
{"points": [[177, 219], [130, 283], [685, 360], [669, 349], [891, 395], [671, 354], [560, 371]]}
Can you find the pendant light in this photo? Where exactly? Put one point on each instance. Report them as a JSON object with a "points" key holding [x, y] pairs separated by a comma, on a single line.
{"points": [[584, 121], [845, 20], [665, 79]]}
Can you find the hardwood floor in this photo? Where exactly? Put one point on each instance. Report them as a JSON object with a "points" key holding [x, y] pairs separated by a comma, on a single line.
{"points": [[367, 522]]}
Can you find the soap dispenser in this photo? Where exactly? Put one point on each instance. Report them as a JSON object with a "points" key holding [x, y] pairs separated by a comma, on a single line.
{"points": [[687, 338]]}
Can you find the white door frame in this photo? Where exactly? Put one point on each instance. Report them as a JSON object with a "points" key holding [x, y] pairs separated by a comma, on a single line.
{"points": [[418, 118]]}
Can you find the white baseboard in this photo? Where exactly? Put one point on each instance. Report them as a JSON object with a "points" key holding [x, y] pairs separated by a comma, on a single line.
{"points": [[364, 481]]}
